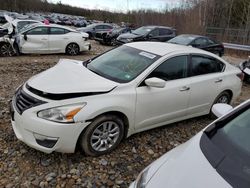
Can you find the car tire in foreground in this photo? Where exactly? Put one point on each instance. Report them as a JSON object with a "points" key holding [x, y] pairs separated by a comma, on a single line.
{"points": [[72, 49], [102, 135]]}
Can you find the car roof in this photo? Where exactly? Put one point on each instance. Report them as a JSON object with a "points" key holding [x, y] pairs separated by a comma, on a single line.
{"points": [[52, 25], [158, 26], [163, 48], [192, 35]]}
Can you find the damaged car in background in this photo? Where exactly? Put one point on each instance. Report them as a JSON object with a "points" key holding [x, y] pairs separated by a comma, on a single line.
{"points": [[97, 103], [34, 37], [10, 29]]}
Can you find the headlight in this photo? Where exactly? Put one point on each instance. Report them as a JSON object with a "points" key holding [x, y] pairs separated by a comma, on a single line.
{"points": [[62, 114], [141, 179]]}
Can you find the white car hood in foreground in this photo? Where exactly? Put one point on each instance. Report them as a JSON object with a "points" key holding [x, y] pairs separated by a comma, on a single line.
{"points": [[186, 166], [70, 76]]}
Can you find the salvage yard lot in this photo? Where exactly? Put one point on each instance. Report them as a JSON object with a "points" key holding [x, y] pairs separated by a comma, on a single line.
{"points": [[26, 167]]}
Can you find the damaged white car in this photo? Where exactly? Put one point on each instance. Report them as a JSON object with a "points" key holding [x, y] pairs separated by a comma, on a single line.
{"points": [[10, 29]]}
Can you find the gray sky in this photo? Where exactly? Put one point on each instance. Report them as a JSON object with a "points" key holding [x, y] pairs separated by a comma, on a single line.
{"points": [[121, 5]]}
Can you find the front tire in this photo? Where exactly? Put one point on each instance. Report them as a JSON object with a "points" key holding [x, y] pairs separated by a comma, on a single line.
{"points": [[72, 49], [6, 50], [103, 135]]}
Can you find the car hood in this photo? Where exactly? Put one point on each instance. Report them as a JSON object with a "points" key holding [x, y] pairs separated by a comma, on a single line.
{"points": [[70, 76], [129, 36], [186, 166], [10, 21]]}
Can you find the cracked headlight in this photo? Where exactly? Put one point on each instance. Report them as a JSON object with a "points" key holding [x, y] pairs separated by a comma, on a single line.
{"points": [[62, 114]]}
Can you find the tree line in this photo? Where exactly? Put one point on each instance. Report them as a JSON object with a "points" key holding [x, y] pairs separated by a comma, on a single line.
{"points": [[192, 16]]}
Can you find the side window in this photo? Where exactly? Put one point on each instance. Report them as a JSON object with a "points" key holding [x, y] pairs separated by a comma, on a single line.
{"points": [[201, 42], [171, 69], [205, 65], [57, 31], [155, 33], [99, 27], [38, 31], [165, 31], [107, 27]]}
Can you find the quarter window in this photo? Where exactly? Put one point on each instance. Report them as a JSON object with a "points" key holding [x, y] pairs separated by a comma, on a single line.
{"points": [[205, 65], [172, 69], [38, 31]]}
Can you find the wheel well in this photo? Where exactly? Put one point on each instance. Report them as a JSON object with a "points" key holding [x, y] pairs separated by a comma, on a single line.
{"points": [[116, 113], [71, 43], [123, 118], [230, 93]]}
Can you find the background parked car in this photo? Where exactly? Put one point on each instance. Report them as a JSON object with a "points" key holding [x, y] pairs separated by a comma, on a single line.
{"points": [[93, 28], [52, 38], [218, 156], [148, 33], [109, 37], [202, 42]]}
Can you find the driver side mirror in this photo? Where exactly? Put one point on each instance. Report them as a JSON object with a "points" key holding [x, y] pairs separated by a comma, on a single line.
{"points": [[25, 36], [155, 82], [221, 109]]}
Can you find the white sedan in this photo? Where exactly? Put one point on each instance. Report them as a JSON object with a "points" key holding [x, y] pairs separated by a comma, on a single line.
{"points": [[51, 38], [218, 156], [132, 88]]}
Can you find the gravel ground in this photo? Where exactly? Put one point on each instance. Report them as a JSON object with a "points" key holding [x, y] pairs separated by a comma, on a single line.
{"points": [[21, 166]]}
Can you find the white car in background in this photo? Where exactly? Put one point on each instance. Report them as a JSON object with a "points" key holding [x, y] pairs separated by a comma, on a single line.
{"points": [[132, 88], [51, 38], [218, 156]]}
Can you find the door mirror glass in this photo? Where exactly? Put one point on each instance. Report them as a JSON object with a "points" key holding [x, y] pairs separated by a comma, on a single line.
{"points": [[221, 109], [155, 82]]}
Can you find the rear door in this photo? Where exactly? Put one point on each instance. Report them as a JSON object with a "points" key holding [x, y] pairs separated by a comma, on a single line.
{"points": [[58, 38], [206, 78], [35, 40]]}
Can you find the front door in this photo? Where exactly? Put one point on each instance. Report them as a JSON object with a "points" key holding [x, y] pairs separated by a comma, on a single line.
{"points": [[157, 106], [34, 41]]}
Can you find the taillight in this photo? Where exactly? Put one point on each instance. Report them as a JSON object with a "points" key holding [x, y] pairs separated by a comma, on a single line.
{"points": [[241, 76]]}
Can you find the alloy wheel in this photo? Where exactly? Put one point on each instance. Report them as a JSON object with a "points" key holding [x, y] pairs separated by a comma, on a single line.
{"points": [[105, 136]]}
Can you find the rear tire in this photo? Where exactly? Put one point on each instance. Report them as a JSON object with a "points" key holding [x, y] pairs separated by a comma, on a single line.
{"points": [[72, 49], [102, 136], [223, 97]]}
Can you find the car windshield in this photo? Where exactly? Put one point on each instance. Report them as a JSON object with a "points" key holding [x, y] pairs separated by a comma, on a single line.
{"points": [[26, 27], [228, 149], [182, 39], [122, 64], [143, 30], [238, 132]]}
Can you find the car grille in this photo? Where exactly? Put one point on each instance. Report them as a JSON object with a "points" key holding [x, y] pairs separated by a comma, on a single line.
{"points": [[23, 101]]}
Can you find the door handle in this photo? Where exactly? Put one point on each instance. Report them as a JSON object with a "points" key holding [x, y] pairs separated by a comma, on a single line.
{"points": [[185, 88], [44, 39], [218, 80], [66, 38]]}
